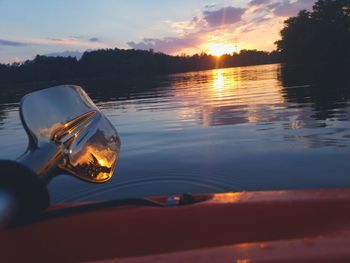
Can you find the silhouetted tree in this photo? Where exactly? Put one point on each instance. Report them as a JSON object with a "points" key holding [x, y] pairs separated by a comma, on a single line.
{"points": [[319, 36]]}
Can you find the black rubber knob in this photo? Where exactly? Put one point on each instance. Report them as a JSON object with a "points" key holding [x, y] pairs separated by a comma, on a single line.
{"points": [[29, 191]]}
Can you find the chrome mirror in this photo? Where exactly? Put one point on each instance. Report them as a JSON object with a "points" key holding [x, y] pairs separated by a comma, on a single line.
{"points": [[68, 134]]}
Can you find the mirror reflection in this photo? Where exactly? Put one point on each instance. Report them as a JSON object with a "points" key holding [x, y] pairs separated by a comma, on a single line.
{"points": [[85, 143]]}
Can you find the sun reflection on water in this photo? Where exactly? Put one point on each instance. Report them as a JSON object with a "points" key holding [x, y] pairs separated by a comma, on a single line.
{"points": [[236, 95], [218, 81]]}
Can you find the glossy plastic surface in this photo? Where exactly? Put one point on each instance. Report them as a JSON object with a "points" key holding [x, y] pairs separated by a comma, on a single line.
{"points": [[277, 226]]}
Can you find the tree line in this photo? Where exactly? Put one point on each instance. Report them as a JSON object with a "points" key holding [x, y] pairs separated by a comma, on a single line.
{"points": [[124, 62]]}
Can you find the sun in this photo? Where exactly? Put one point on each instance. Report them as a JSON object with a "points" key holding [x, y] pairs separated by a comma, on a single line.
{"points": [[220, 49]]}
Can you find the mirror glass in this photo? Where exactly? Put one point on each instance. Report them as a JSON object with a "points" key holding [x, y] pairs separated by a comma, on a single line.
{"points": [[86, 143]]}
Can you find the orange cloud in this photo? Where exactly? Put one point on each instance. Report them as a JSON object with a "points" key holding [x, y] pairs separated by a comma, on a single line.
{"points": [[231, 28]]}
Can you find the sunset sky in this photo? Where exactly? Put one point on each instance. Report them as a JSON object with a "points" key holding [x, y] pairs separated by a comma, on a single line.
{"points": [[43, 27]]}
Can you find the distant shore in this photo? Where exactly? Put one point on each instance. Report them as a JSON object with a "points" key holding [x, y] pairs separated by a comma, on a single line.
{"points": [[118, 63]]}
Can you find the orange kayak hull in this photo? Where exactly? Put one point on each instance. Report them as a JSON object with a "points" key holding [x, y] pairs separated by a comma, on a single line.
{"points": [[272, 226]]}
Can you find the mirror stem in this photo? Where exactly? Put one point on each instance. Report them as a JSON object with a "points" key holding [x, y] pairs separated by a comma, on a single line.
{"points": [[42, 161]]}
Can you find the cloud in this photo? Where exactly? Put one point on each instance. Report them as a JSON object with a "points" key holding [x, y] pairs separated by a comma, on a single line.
{"points": [[210, 5], [261, 19], [167, 45], [5, 42], [288, 8], [94, 39], [256, 26], [224, 16], [62, 40], [258, 2], [282, 8], [72, 41], [191, 33]]}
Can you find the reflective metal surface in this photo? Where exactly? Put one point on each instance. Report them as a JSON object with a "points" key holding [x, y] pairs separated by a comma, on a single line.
{"points": [[68, 133]]}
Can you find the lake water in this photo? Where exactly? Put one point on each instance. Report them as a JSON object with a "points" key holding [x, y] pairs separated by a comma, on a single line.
{"points": [[236, 129]]}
